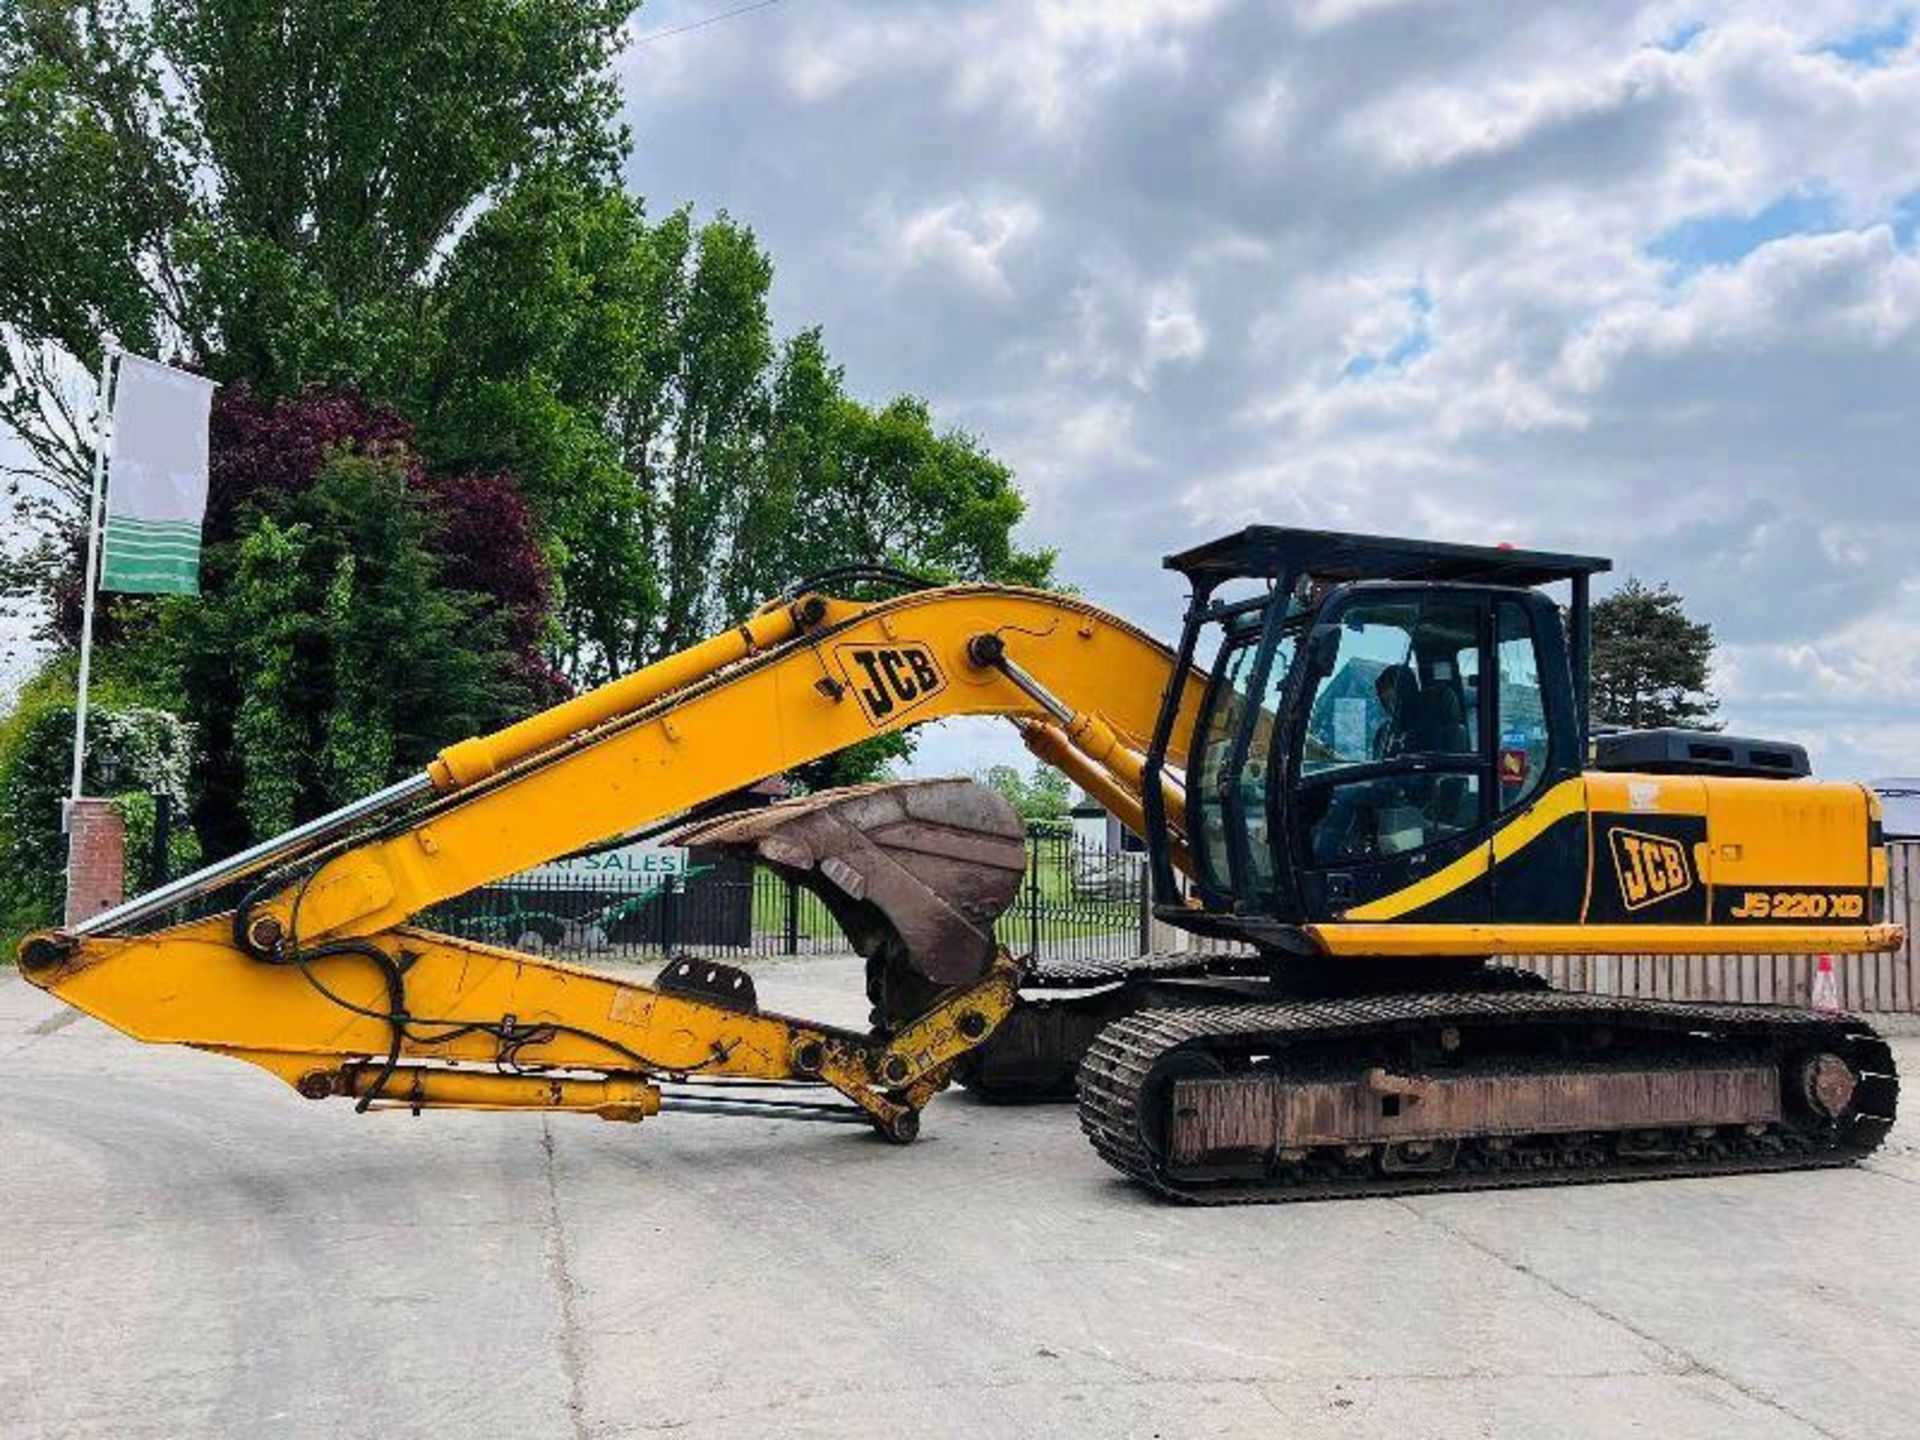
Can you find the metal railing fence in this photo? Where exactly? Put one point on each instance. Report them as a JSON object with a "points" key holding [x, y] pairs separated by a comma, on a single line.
{"points": [[1076, 900]]}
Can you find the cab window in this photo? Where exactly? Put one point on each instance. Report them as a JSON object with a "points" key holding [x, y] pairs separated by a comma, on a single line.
{"points": [[1263, 760], [1521, 762], [1398, 704], [1405, 681], [1364, 821], [1227, 705]]}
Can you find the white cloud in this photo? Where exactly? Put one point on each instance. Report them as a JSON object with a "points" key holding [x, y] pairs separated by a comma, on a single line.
{"points": [[1314, 15], [966, 239], [1056, 63], [1258, 124], [1434, 126], [1171, 331]]}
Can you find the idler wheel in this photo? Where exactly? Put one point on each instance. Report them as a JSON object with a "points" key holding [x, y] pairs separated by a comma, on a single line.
{"points": [[1827, 1084]]}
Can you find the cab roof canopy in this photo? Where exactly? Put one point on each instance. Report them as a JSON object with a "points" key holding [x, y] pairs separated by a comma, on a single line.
{"points": [[1273, 551]]}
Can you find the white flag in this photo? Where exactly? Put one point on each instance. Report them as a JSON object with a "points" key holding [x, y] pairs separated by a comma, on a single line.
{"points": [[157, 481]]}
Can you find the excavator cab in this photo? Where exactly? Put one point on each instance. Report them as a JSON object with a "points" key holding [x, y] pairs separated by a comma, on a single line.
{"points": [[1377, 709]]}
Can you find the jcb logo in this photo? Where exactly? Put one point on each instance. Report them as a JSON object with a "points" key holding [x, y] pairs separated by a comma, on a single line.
{"points": [[889, 680], [1651, 868]]}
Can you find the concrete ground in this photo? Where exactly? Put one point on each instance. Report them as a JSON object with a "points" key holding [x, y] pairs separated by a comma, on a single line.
{"points": [[189, 1249]]}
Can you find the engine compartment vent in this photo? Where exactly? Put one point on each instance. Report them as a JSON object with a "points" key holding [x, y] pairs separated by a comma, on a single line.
{"points": [[1699, 752]]}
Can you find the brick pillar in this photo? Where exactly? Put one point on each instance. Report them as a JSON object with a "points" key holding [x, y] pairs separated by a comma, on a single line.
{"points": [[96, 858]]}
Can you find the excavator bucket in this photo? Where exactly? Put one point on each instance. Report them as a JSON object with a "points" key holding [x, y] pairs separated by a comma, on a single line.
{"points": [[915, 872]]}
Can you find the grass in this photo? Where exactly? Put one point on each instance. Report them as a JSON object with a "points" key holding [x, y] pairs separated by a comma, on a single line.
{"points": [[770, 913]]}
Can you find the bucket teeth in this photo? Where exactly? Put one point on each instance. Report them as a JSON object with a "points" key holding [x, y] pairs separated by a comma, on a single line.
{"points": [[916, 872]]}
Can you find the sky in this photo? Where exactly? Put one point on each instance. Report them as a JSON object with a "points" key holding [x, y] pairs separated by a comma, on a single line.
{"points": [[1640, 280]]}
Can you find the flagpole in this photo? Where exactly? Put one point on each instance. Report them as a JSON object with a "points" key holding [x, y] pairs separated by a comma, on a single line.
{"points": [[102, 424]]}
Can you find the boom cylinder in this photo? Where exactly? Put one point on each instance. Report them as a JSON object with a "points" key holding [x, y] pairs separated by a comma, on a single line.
{"points": [[1083, 744], [1050, 743], [477, 758], [1092, 736]]}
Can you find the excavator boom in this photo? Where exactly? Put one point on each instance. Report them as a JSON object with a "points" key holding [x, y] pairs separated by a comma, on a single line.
{"points": [[317, 975]]}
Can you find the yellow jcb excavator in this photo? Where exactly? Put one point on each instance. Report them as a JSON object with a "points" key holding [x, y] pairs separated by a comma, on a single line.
{"points": [[1380, 781]]}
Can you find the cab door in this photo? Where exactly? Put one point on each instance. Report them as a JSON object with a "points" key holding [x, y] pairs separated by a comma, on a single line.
{"points": [[1392, 765], [1239, 856], [1542, 834]]}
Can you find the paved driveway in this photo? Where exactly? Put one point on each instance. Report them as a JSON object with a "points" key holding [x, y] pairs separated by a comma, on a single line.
{"points": [[190, 1249]]}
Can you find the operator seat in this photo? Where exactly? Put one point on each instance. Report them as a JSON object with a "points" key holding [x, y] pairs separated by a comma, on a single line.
{"points": [[1453, 804], [1399, 695], [1441, 724]]}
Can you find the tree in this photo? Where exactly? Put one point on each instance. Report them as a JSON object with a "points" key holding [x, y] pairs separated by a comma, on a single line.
{"points": [[328, 655], [685, 467], [708, 471], [1651, 663], [556, 324], [267, 192], [266, 452], [265, 188], [626, 381], [842, 484], [1044, 800]]}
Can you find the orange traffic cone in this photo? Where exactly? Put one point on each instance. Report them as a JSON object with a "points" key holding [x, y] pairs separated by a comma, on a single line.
{"points": [[1826, 991]]}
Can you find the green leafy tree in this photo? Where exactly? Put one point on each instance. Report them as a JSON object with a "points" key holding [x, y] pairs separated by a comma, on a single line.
{"points": [[840, 485], [265, 188], [1043, 799], [702, 482], [268, 191], [1651, 662], [843, 484], [556, 319], [688, 468], [259, 617], [329, 657], [626, 382], [357, 747]]}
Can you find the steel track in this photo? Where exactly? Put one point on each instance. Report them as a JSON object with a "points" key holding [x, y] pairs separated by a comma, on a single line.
{"points": [[1119, 1080], [1063, 1003]]}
